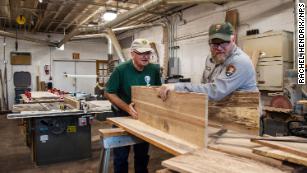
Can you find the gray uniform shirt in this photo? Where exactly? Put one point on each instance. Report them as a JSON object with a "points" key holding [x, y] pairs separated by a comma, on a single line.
{"points": [[237, 73]]}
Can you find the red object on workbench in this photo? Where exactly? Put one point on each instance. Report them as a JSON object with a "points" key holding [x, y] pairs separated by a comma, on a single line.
{"points": [[28, 94]]}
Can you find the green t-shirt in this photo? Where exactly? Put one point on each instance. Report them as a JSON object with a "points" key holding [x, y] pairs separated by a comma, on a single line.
{"points": [[125, 75]]}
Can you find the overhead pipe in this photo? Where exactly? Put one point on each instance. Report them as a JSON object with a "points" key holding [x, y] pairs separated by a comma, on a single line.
{"points": [[137, 26], [13, 35], [116, 45], [141, 8], [93, 29], [101, 35], [179, 2]]}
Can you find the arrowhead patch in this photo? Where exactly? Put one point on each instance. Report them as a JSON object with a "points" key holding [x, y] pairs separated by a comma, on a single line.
{"points": [[230, 69]]}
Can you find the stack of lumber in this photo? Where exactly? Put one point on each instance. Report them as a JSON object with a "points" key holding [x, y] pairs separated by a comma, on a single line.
{"points": [[292, 149], [239, 144]]}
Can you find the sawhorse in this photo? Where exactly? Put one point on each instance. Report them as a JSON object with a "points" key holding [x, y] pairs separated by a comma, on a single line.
{"points": [[113, 138]]}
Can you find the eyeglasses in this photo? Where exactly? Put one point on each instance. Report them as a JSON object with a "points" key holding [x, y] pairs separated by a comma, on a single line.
{"points": [[222, 45], [142, 53]]}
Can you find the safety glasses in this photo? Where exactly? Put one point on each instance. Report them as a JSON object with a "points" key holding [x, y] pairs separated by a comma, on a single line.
{"points": [[142, 53], [221, 45]]}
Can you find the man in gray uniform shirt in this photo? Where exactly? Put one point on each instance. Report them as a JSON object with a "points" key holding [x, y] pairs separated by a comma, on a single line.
{"points": [[228, 69]]}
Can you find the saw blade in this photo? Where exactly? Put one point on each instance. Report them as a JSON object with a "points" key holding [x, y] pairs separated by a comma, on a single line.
{"points": [[281, 102]]}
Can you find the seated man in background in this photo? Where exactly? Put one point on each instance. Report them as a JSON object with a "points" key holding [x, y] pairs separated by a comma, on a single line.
{"points": [[229, 68]]}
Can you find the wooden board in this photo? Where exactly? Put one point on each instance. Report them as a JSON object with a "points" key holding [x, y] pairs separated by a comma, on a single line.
{"points": [[240, 107], [99, 105], [291, 147], [238, 144], [281, 155], [160, 139], [25, 99], [183, 115], [112, 132], [21, 59], [72, 101], [293, 139], [164, 171], [43, 94], [28, 107], [208, 161], [302, 102]]}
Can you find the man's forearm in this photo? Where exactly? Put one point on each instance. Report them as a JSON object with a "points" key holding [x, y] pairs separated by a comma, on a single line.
{"points": [[114, 99]]}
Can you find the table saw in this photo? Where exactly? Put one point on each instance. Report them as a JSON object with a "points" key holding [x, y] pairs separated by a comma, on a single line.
{"points": [[53, 134]]}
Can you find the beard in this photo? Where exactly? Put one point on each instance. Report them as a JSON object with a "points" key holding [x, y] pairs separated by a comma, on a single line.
{"points": [[219, 58]]}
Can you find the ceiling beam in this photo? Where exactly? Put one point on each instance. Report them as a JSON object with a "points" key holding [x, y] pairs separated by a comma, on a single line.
{"points": [[55, 16], [21, 37], [65, 18]]}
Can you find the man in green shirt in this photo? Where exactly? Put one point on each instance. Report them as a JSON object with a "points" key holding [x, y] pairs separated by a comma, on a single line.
{"points": [[135, 72]]}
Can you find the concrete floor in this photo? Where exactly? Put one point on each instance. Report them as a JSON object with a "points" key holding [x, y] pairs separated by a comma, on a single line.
{"points": [[15, 155]]}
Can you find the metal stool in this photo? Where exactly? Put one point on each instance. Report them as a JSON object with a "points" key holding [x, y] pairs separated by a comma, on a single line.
{"points": [[113, 138]]}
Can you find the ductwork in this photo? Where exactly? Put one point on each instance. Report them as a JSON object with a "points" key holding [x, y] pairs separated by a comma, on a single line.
{"points": [[116, 45], [141, 8], [110, 43], [179, 2], [95, 29], [21, 37]]}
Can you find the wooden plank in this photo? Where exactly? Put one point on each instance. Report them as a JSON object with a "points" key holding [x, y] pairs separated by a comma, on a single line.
{"points": [[112, 132], [25, 99], [302, 102], [281, 155], [273, 109], [164, 171], [241, 108], [160, 139], [21, 59], [72, 101], [238, 144], [208, 161], [99, 105], [293, 139], [291, 147], [28, 107], [183, 115], [43, 95]]}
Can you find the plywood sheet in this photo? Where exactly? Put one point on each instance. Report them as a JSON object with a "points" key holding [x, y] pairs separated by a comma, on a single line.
{"points": [[281, 155], [160, 139], [291, 147], [208, 161], [182, 115], [240, 107]]}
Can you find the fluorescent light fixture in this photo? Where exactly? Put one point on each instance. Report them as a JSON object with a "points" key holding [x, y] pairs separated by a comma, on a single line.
{"points": [[40, 1], [109, 15]]}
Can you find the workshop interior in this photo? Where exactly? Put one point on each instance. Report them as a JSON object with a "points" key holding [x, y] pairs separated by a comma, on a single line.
{"points": [[57, 56]]}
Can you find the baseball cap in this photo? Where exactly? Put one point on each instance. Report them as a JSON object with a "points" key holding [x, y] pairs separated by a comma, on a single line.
{"points": [[221, 31], [141, 45]]}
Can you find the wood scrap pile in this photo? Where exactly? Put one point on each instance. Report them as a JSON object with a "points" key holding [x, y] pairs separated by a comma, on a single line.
{"points": [[290, 148]]}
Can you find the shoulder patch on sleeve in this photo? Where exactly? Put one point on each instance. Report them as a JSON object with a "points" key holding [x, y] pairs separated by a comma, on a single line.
{"points": [[230, 69]]}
